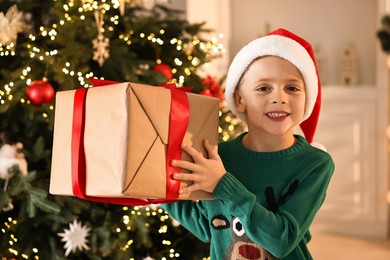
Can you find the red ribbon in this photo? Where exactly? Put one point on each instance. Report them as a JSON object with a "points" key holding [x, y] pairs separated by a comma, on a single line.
{"points": [[178, 123]]}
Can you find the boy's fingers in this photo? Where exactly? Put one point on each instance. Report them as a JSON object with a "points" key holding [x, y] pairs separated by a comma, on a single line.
{"points": [[192, 152], [188, 189], [184, 165], [184, 177], [212, 150]]}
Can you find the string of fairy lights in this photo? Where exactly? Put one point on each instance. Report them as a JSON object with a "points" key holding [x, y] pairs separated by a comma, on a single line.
{"points": [[6, 228], [103, 6], [148, 212]]}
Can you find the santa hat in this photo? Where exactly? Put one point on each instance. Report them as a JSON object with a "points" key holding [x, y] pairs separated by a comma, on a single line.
{"points": [[296, 50]]}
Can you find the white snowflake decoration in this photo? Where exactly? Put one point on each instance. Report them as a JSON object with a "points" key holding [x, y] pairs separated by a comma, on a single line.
{"points": [[11, 24], [101, 46], [75, 237]]}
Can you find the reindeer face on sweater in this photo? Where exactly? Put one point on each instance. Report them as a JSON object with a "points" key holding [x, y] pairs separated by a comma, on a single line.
{"points": [[241, 247]]}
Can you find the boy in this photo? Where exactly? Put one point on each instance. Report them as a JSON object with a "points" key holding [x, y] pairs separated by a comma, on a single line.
{"points": [[268, 183]]}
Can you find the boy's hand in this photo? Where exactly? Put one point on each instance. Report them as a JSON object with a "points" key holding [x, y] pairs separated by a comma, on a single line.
{"points": [[205, 173]]}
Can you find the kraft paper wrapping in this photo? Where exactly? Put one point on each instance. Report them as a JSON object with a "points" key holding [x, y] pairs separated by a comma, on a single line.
{"points": [[126, 137]]}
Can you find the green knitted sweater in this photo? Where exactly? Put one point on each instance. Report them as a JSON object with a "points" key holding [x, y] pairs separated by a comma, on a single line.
{"points": [[264, 204]]}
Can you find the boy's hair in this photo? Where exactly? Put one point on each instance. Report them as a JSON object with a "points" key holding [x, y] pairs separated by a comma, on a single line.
{"points": [[294, 49]]}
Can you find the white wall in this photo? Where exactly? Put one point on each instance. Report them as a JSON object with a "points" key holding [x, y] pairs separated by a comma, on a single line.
{"points": [[330, 23], [177, 4]]}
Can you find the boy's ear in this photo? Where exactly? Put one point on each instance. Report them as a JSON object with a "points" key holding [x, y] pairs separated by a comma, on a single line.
{"points": [[239, 101]]}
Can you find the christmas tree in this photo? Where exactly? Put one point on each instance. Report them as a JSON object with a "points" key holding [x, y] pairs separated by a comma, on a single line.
{"points": [[53, 45]]}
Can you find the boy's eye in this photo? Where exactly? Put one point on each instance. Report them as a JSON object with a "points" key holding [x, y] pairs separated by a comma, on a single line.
{"points": [[293, 88], [262, 88]]}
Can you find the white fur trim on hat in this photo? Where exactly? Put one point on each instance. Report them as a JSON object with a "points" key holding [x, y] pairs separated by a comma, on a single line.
{"points": [[274, 45]]}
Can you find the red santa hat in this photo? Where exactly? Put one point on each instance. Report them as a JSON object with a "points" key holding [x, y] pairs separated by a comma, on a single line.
{"points": [[296, 50]]}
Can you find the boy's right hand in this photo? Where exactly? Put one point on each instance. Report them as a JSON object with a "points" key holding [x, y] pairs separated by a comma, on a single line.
{"points": [[205, 173]]}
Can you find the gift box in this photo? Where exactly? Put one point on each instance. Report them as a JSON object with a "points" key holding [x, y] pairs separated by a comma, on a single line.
{"points": [[117, 140]]}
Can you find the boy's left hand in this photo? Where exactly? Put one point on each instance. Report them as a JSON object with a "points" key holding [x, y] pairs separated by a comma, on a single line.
{"points": [[205, 173]]}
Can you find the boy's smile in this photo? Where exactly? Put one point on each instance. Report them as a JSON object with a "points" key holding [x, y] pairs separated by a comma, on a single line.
{"points": [[272, 94], [277, 115]]}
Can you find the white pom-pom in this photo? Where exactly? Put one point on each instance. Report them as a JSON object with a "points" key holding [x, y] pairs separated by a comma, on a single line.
{"points": [[319, 146], [9, 156], [5, 164], [7, 151]]}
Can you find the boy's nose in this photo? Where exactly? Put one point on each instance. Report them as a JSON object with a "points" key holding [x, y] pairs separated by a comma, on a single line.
{"points": [[279, 97]]}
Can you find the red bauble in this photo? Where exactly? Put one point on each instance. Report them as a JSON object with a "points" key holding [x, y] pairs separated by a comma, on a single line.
{"points": [[165, 69], [39, 92]]}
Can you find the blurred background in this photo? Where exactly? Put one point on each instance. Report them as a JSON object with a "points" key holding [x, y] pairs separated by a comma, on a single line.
{"points": [[55, 45]]}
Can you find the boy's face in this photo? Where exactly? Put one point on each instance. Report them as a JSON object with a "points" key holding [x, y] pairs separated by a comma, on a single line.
{"points": [[272, 94]]}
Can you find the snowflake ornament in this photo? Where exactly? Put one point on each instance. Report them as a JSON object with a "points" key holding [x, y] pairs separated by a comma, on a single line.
{"points": [[101, 46], [11, 24], [75, 237]]}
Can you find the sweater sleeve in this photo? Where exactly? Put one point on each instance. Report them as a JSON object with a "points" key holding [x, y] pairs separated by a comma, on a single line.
{"points": [[192, 215], [279, 232]]}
